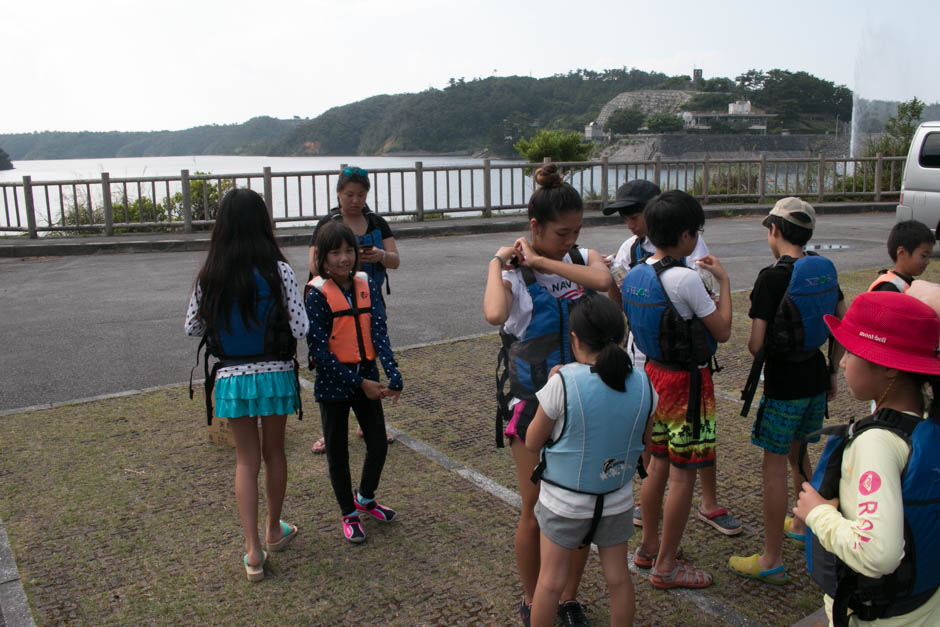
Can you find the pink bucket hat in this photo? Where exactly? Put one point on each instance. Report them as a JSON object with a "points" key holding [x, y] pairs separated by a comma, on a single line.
{"points": [[890, 329]]}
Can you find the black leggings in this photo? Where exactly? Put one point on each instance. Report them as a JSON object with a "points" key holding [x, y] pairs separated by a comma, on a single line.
{"points": [[334, 416]]}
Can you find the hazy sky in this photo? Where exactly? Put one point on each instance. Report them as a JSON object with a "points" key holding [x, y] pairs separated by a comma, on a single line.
{"points": [[170, 64]]}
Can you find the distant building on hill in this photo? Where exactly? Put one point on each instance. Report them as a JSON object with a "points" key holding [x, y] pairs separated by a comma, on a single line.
{"points": [[593, 131], [740, 117]]}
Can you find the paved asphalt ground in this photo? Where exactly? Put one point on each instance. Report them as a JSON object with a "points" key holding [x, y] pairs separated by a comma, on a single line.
{"points": [[85, 325]]}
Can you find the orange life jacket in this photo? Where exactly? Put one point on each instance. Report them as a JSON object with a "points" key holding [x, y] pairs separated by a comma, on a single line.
{"points": [[351, 337], [890, 277]]}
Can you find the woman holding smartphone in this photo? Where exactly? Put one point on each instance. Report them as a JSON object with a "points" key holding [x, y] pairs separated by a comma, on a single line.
{"points": [[378, 251]]}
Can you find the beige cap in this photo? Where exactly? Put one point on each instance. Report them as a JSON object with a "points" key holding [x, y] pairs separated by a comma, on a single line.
{"points": [[794, 211]]}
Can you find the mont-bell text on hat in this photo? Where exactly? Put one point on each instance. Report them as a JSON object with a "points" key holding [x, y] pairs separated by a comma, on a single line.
{"points": [[872, 336]]}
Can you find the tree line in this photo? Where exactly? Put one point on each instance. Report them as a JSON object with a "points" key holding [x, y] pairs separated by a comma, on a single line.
{"points": [[249, 138], [491, 114]]}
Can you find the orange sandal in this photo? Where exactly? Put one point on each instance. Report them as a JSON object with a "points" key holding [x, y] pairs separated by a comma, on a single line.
{"points": [[642, 559], [684, 575]]}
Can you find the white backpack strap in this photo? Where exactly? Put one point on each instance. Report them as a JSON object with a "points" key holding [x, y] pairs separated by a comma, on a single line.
{"points": [[898, 282], [317, 283]]}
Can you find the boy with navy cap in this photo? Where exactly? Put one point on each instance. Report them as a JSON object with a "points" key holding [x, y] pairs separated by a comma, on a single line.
{"points": [[631, 199]]}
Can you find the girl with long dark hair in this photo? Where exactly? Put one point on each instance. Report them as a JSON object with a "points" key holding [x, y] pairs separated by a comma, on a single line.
{"points": [[247, 304]]}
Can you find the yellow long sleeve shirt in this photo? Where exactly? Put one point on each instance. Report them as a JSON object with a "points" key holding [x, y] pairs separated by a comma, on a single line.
{"points": [[867, 530]]}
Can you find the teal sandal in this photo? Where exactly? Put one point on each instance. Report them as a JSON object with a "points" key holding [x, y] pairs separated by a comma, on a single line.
{"points": [[289, 532]]}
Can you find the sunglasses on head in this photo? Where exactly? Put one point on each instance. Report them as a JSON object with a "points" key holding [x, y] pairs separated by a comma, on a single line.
{"points": [[355, 172]]}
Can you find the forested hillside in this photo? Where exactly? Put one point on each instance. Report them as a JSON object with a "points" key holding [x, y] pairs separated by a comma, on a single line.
{"points": [[465, 116], [489, 113], [252, 137]]}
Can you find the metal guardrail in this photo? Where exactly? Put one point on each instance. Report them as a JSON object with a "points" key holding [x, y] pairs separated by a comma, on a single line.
{"points": [[108, 205]]}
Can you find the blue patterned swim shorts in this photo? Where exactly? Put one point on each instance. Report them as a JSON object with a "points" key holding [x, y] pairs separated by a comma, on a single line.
{"points": [[778, 423]]}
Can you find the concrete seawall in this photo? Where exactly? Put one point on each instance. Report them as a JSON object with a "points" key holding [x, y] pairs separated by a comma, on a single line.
{"points": [[643, 147], [178, 241]]}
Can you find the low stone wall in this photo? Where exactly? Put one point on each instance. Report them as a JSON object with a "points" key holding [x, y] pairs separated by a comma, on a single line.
{"points": [[682, 146]]}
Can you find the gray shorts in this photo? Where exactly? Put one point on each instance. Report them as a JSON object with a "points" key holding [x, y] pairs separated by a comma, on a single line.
{"points": [[569, 532]]}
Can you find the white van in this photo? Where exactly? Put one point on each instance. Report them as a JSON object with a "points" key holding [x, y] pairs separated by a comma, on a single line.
{"points": [[920, 186]]}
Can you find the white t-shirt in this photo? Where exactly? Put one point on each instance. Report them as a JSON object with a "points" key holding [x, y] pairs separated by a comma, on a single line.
{"points": [[564, 502], [622, 257], [685, 289], [520, 314]]}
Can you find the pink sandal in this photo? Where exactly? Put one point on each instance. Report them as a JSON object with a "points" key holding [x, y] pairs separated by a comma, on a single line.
{"points": [[319, 447]]}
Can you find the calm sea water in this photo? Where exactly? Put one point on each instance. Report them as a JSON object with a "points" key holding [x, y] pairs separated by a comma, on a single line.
{"points": [[68, 169], [301, 200]]}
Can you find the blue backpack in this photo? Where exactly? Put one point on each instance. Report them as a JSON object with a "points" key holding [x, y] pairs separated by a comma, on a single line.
{"points": [[238, 341], [918, 576], [658, 329], [524, 362], [798, 329]]}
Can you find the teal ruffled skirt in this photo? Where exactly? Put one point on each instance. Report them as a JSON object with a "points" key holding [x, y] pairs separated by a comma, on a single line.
{"points": [[260, 394]]}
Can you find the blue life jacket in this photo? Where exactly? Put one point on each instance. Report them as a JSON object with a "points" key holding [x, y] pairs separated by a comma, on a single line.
{"points": [[524, 362], [638, 254], [663, 335], [658, 329], [918, 576], [602, 436], [241, 340], [798, 329]]}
